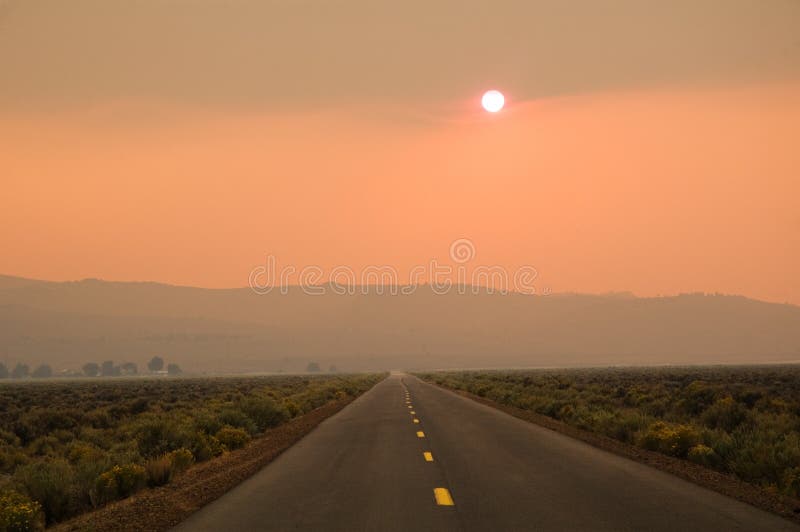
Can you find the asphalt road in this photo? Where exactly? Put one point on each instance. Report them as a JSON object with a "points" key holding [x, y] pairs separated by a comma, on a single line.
{"points": [[365, 469]]}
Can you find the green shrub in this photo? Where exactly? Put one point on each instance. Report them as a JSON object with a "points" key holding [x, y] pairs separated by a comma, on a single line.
{"points": [[565, 412], [236, 418], [79, 451], [204, 447], [291, 407], [19, 513], [232, 437], [725, 414], [703, 455], [764, 456], [84, 478], [697, 396], [791, 482], [208, 423], [624, 425], [156, 435], [9, 438], [11, 458], [49, 483], [159, 470], [46, 446], [264, 412]]}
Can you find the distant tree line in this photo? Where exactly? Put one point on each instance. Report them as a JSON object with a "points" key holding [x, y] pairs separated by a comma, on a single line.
{"points": [[314, 367], [23, 371], [109, 369], [91, 369]]}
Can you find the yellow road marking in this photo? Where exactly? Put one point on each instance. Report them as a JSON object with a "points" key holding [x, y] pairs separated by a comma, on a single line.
{"points": [[416, 420], [428, 456], [443, 497], [420, 434]]}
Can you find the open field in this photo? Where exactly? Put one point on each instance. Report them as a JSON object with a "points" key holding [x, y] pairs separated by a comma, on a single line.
{"points": [[69, 447], [743, 421]]}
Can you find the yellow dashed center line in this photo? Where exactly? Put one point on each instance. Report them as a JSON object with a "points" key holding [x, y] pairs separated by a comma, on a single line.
{"points": [[443, 497]]}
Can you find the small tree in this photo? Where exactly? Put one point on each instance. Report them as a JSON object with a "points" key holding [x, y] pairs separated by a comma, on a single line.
{"points": [[42, 372], [129, 368], [3, 371], [155, 364], [313, 367], [174, 369], [333, 369], [20, 371], [107, 369], [91, 369]]}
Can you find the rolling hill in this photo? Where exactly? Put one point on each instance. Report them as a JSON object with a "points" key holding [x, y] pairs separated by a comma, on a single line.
{"points": [[235, 330]]}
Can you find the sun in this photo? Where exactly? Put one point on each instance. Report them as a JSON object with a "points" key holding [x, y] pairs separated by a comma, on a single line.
{"points": [[493, 101]]}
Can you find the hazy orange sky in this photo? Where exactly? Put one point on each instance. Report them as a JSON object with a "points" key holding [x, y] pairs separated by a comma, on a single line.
{"points": [[654, 150]]}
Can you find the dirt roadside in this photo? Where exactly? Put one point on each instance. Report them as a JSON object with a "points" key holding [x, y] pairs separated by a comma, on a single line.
{"points": [[725, 484], [162, 508]]}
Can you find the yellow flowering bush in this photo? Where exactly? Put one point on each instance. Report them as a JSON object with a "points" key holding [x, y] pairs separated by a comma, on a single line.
{"points": [[19, 514], [181, 459], [232, 438], [120, 482]]}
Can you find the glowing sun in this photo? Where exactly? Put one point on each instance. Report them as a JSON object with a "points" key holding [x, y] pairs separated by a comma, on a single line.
{"points": [[493, 101]]}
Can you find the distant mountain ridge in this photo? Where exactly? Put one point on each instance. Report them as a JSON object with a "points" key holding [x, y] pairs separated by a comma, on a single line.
{"points": [[231, 330]]}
